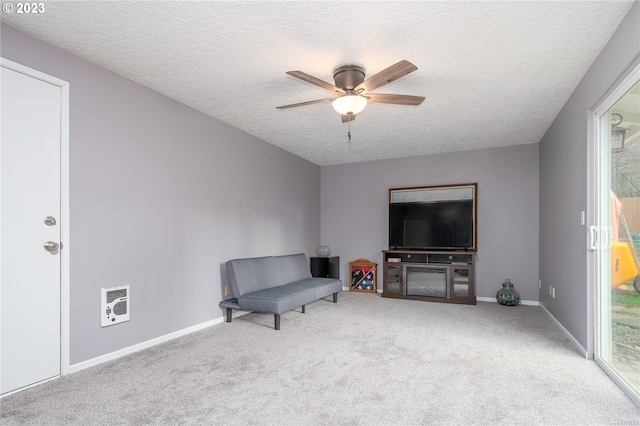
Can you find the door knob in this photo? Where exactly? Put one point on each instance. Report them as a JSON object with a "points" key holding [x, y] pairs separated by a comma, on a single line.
{"points": [[52, 247]]}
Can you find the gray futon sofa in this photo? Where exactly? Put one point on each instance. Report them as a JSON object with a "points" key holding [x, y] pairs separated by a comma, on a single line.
{"points": [[275, 284]]}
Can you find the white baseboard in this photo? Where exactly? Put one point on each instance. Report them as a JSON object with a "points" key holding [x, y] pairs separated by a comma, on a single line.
{"points": [[522, 302], [145, 345], [577, 344]]}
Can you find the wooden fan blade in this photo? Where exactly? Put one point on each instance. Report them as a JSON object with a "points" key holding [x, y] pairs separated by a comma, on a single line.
{"points": [[388, 75], [385, 98], [317, 101], [347, 118], [314, 80]]}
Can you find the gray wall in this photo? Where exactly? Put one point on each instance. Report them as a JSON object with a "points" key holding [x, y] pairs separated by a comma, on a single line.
{"points": [[355, 209], [563, 183], [161, 196]]}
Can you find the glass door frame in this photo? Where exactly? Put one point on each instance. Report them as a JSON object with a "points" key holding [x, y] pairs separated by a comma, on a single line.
{"points": [[599, 225]]}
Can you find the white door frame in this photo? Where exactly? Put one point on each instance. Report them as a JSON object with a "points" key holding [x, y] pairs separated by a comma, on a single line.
{"points": [[64, 206], [629, 78]]}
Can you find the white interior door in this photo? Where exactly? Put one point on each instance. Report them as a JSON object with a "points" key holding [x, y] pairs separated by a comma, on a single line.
{"points": [[30, 336]]}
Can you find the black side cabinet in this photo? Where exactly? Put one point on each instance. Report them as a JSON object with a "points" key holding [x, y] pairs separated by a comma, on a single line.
{"points": [[325, 267]]}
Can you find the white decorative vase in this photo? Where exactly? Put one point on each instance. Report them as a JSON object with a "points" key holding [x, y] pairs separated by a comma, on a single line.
{"points": [[324, 251]]}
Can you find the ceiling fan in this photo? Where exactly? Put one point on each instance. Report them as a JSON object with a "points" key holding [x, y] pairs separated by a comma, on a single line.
{"points": [[352, 91]]}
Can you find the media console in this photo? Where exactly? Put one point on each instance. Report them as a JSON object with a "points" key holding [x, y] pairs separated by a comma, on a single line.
{"points": [[435, 276]]}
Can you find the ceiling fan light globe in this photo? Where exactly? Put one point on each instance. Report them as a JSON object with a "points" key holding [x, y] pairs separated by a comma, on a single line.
{"points": [[349, 104]]}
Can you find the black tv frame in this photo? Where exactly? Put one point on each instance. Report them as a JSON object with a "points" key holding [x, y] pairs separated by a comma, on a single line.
{"points": [[422, 198]]}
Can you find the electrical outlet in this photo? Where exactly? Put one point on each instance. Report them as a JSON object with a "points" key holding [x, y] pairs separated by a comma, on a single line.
{"points": [[553, 292], [227, 290], [539, 284]]}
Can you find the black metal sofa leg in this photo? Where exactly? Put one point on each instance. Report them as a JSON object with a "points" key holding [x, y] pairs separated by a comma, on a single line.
{"points": [[335, 297], [303, 309], [229, 311], [276, 318]]}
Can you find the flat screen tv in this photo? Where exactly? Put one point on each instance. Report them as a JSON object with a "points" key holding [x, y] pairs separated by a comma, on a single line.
{"points": [[443, 220]]}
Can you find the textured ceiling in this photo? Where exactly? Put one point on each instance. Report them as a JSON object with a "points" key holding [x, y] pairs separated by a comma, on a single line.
{"points": [[493, 73]]}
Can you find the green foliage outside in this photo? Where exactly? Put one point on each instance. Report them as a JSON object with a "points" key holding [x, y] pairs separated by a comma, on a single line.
{"points": [[630, 298]]}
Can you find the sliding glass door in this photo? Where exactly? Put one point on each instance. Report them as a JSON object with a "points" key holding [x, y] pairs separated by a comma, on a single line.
{"points": [[615, 238]]}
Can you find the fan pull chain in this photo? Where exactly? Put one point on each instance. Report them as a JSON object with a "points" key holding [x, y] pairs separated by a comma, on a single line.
{"points": [[349, 133]]}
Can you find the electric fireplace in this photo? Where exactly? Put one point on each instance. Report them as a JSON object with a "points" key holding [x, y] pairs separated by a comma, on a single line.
{"points": [[426, 280]]}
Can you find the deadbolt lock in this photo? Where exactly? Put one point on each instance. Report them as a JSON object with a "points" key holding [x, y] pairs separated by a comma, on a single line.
{"points": [[50, 221]]}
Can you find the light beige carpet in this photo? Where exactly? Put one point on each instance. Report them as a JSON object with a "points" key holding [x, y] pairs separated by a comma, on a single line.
{"points": [[366, 360]]}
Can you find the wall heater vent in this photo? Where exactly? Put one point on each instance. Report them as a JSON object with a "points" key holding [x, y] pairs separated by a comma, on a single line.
{"points": [[115, 305]]}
